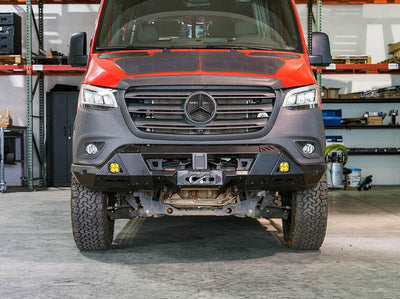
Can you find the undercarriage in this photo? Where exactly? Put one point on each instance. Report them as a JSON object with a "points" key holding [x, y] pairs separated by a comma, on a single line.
{"points": [[205, 202]]}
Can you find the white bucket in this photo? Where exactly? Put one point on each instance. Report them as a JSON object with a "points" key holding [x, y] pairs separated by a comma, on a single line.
{"points": [[354, 178]]}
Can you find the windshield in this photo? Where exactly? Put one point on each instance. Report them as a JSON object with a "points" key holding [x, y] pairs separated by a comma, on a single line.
{"points": [[259, 24]]}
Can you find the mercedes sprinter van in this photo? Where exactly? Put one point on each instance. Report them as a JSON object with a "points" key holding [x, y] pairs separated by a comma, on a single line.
{"points": [[198, 107]]}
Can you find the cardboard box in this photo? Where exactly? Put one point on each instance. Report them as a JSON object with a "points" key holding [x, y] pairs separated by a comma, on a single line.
{"points": [[333, 93], [375, 121], [5, 117], [329, 93], [394, 49]]}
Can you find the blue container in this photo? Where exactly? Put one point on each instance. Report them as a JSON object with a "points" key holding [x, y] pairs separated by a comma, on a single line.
{"points": [[332, 117]]}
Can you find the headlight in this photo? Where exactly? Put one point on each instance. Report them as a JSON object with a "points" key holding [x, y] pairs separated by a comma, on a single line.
{"points": [[97, 97], [303, 97]]}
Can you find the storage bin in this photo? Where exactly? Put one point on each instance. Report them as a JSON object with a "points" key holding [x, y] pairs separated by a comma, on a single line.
{"points": [[332, 117]]}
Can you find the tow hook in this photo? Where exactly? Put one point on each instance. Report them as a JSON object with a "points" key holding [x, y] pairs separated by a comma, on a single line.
{"points": [[195, 180]]}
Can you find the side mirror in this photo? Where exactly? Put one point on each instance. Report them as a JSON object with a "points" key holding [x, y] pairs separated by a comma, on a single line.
{"points": [[78, 50], [321, 50]]}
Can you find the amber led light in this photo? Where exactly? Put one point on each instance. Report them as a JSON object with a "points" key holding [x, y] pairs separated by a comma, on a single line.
{"points": [[114, 167], [284, 167]]}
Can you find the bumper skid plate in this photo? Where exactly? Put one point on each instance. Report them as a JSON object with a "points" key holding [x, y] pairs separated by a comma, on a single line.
{"points": [[263, 173]]}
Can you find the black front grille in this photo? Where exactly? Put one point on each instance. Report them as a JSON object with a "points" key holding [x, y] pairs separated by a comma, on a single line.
{"points": [[239, 110]]}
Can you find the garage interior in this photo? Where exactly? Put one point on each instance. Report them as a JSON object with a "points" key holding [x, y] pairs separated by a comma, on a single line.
{"points": [[203, 257]]}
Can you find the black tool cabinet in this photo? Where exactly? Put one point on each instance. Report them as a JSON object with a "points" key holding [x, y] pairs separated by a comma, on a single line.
{"points": [[60, 117], [10, 34]]}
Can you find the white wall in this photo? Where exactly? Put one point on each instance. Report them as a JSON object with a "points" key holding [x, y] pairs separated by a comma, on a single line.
{"points": [[353, 30]]}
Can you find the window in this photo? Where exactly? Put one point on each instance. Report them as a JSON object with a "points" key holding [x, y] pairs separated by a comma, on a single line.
{"points": [[268, 24]]}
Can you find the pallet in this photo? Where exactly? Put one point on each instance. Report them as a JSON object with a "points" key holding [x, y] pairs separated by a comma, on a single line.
{"points": [[352, 59], [388, 95], [355, 95], [391, 60], [12, 59]]}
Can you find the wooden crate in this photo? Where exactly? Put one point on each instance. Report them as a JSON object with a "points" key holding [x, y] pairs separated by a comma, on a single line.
{"points": [[350, 59], [329, 93], [12, 59]]}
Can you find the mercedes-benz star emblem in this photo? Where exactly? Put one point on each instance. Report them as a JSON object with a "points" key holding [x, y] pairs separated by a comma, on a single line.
{"points": [[200, 107]]}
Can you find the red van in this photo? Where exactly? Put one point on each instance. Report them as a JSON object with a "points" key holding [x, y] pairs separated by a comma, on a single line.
{"points": [[199, 107]]}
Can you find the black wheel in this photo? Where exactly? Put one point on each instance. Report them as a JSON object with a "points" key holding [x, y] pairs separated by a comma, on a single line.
{"points": [[306, 226], [91, 226]]}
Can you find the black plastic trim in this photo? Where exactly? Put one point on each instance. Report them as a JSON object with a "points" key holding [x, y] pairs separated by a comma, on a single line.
{"points": [[123, 55], [171, 80]]}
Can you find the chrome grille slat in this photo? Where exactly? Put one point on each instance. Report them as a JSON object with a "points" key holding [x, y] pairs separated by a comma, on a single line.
{"points": [[161, 111]]}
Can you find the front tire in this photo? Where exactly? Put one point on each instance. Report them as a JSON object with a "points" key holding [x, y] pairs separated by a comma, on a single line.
{"points": [[91, 226], [306, 226]]}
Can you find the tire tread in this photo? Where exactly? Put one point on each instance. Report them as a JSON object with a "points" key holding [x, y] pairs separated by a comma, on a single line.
{"points": [[307, 226], [91, 227]]}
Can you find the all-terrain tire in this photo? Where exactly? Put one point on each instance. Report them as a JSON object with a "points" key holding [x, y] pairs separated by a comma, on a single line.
{"points": [[306, 226], [91, 226]]}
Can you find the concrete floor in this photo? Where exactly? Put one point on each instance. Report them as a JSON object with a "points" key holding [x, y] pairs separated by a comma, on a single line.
{"points": [[201, 257]]}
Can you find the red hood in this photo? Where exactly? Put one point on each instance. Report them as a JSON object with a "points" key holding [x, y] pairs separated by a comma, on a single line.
{"points": [[289, 68]]}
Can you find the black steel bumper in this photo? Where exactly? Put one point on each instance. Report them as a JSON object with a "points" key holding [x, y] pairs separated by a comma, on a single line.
{"points": [[135, 173]]}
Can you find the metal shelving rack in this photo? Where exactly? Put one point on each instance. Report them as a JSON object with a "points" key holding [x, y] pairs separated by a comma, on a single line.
{"points": [[362, 127], [39, 71], [31, 90], [392, 68], [373, 151], [361, 101], [318, 27]]}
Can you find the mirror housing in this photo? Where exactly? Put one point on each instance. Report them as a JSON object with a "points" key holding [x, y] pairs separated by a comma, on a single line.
{"points": [[321, 50], [78, 50]]}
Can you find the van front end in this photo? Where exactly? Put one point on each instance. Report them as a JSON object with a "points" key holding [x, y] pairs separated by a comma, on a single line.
{"points": [[151, 136], [192, 109]]}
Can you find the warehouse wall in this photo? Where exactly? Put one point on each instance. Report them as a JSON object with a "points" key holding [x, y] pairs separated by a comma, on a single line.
{"points": [[364, 30], [353, 30], [60, 21]]}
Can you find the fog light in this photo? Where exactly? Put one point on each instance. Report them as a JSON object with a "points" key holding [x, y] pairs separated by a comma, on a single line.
{"points": [[114, 167], [91, 149], [284, 167], [308, 149]]}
